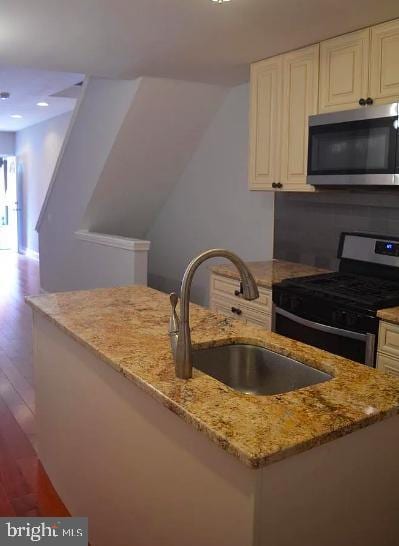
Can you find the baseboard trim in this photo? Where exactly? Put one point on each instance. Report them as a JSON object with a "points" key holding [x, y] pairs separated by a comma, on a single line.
{"points": [[33, 254]]}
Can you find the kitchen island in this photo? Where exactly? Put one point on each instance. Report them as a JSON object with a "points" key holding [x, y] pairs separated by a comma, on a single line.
{"points": [[152, 459]]}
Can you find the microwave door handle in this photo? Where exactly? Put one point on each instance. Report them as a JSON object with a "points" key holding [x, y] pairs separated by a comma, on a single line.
{"points": [[369, 339]]}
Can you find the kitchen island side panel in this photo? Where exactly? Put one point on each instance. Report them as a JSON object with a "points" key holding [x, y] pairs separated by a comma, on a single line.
{"points": [[141, 474], [343, 493]]}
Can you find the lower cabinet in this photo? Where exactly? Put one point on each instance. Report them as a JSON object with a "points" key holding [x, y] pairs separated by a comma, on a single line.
{"points": [[226, 298], [388, 364], [388, 348]]}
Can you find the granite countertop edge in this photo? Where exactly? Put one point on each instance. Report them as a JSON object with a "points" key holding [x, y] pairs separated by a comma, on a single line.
{"points": [[267, 273], [258, 456], [391, 314]]}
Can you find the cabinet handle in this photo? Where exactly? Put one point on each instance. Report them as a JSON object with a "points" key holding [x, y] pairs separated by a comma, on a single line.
{"points": [[236, 310], [369, 101], [362, 102]]}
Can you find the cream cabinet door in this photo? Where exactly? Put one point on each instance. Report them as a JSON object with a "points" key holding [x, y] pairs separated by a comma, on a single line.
{"points": [[265, 123], [344, 71], [388, 364], [388, 338], [300, 99], [384, 62]]}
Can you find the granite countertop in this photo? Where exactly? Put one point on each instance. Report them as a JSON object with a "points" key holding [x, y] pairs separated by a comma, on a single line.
{"points": [[126, 327], [391, 314], [268, 273]]}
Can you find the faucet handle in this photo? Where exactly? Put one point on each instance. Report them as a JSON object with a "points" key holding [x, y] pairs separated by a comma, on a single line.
{"points": [[174, 319]]}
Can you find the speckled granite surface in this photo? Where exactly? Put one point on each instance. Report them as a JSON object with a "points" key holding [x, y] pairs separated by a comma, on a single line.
{"points": [[391, 314], [127, 328], [268, 273]]}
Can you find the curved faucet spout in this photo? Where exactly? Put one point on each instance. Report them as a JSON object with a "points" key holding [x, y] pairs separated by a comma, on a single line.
{"points": [[182, 349]]}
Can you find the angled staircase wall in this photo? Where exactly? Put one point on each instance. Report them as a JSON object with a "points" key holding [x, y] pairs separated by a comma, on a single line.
{"points": [[128, 146]]}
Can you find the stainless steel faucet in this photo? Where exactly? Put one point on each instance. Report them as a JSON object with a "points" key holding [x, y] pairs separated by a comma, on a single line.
{"points": [[179, 329]]}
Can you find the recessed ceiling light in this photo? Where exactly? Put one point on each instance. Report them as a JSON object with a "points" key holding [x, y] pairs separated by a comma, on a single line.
{"points": [[42, 103], [4, 95], [16, 116], [220, 1]]}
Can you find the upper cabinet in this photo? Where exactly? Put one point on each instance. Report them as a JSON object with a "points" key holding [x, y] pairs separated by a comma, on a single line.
{"points": [[283, 95], [351, 71], [300, 90], [265, 123], [384, 62], [360, 69], [344, 71]]}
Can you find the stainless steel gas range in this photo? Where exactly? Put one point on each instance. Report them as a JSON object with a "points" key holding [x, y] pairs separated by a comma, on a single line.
{"points": [[338, 311]]}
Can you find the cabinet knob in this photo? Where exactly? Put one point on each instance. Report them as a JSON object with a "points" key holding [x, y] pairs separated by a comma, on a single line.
{"points": [[236, 310], [362, 102], [237, 293], [369, 101], [279, 185], [274, 185]]}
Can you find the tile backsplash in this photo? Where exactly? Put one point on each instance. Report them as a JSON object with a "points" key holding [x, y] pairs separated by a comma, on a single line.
{"points": [[307, 225]]}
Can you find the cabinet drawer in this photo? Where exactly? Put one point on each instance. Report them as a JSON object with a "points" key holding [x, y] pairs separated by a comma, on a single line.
{"points": [[388, 364], [241, 310], [223, 286], [388, 341]]}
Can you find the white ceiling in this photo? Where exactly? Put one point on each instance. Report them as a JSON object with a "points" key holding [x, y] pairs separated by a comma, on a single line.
{"points": [[27, 88], [186, 39]]}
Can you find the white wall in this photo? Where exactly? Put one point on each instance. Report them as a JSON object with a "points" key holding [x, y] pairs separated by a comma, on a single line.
{"points": [[211, 205], [101, 112], [7, 143], [37, 150], [157, 139], [129, 144]]}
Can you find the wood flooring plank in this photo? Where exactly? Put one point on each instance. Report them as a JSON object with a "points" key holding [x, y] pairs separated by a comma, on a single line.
{"points": [[20, 410], [18, 381], [25, 504], [29, 466], [11, 476], [16, 440], [6, 508], [25, 489]]}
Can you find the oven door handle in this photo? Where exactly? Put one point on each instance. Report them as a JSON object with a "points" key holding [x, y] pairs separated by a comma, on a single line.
{"points": [[369, 339], [320, 327]]}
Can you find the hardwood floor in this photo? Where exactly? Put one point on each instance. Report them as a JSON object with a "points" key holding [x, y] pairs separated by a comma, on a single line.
{"points": [[25, 489]]}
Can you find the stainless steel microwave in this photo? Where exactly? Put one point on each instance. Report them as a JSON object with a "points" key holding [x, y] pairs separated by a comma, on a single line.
{"points": [[355, 147]]}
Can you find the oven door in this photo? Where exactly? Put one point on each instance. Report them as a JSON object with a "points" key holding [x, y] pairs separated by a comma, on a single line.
{"points": [[353, 345], [357, 147]]}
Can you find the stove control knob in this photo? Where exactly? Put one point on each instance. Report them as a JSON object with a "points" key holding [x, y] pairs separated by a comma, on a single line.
{"points": [[351, 319], [339, 317]]}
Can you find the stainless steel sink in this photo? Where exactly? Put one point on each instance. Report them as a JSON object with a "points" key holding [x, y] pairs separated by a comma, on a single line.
{"points": [[256, 370]]}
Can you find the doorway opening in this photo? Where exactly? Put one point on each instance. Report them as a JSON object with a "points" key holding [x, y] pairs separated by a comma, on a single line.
{"points": [[10, 219]]}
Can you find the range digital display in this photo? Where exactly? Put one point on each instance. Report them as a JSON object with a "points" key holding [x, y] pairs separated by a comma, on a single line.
{"points": [[387, 248]]}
